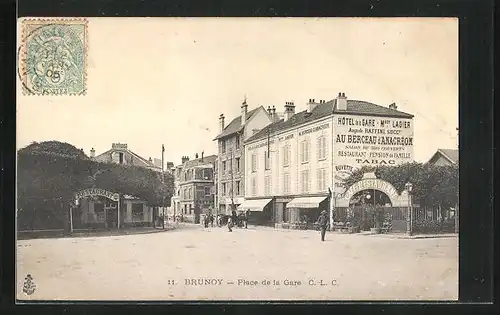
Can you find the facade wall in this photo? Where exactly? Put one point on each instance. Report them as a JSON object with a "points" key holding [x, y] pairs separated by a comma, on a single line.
{"points": [[259, 120], [286, 173], [339, 142], [231, 151]]}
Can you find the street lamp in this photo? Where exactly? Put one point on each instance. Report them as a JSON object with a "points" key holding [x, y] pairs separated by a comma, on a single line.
{"points": [[409, 217]]}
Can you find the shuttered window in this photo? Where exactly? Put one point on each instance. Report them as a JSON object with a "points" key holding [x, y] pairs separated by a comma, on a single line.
{"points": [[254, 186], [286, 183], [254, 162], [267, 185], [321, 179], [321, 148], [304, 151], [304, 179], [286, 155]]}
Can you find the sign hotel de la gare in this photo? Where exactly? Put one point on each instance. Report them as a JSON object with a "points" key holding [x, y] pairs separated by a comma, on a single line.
{"points": [[370, 141]]}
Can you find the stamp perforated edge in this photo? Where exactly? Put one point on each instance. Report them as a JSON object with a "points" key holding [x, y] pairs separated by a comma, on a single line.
{"points": [[22, 53]]}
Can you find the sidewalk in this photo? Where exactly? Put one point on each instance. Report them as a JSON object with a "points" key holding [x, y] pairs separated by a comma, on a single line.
{"points": [[94, 233], [405, 236]]}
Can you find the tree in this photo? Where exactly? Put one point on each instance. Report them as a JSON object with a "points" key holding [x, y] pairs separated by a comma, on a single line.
{"points": [[432, 185], [50, 173]]}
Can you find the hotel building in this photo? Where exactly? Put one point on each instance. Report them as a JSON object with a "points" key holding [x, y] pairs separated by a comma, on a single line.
{"points": [[292, 164]]}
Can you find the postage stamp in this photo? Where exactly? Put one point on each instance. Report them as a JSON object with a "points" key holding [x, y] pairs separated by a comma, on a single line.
{"points": [[53, 56]]}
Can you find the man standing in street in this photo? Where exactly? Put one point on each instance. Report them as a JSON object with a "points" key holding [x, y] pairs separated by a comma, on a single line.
{"points": [[323, 222], [230, 224]]}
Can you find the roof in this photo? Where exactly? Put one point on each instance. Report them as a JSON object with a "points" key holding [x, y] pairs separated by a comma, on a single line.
{"points": [[198, 162], [324, 110], [449, 154], [235, 125], [146, 162]]}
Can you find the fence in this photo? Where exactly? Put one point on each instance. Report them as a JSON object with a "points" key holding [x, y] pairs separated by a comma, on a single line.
{"points": [[425, 220]]}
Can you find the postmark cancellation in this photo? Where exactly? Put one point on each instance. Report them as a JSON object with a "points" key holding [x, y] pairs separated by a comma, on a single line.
{"points": [[53, 56]]}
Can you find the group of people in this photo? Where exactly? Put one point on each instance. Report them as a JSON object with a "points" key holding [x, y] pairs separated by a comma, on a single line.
{"points": [[242, 221], [232, 220]]}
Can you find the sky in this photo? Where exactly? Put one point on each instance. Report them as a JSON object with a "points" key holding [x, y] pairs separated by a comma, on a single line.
{"points": [[154, 81]]}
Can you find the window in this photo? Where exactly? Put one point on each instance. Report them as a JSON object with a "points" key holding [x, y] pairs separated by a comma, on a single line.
{"points": [[223, 192], [120, 158], [224, 166], [237, 164], [286, 183], [267, 185], [267, 160], [254, 162], [321, 148], [286, 155], [237, 187], [321, 179], [304, 180], [223, 146], [254, 186], [304, 151], [137, 209], [237, 142], [208, 191]]}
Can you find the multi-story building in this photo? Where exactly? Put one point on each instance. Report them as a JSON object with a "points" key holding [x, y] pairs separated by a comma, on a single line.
{"points": [[231, 163], [195, 191], [292, 165]]}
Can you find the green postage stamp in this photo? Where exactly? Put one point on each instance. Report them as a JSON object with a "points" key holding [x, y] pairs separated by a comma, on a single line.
{"points": [[53, 54]]}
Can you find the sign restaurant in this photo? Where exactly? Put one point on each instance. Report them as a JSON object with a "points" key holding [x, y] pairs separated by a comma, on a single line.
{"points": [[97, 192], [373, 141]]}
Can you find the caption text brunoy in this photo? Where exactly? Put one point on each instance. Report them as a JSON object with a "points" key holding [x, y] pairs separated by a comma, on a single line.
{"points": [[255, 282]]}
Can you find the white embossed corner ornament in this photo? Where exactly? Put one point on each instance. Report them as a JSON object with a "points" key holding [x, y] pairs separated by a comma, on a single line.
{"points": [[53, 56]]}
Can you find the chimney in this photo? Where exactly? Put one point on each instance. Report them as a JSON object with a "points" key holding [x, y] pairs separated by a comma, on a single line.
{"points": [[393, 106], [289, 110], [150, 160], [202, 153], [185, 159], [270, 111], [196, 155], [244, 111], [92, 153], [274, 116], [221, 122], [311, 105], [341, 102]]}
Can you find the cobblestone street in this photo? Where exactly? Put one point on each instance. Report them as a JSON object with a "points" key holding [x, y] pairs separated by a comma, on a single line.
{"points": [[169, 266]]}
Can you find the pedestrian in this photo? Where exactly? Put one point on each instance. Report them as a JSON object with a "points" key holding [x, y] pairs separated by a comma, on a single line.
{"points": [[229, 224], [323, 222], [205, 221], [211, 218], [247, 214]]}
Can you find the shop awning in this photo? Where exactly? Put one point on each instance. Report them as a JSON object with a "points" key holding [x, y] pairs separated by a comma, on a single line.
{"points": [[305, 202], [254, 205]]}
